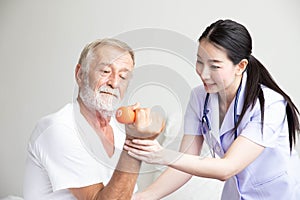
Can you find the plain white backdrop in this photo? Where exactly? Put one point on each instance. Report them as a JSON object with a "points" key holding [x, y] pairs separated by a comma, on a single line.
{"points": [[40, 42]]}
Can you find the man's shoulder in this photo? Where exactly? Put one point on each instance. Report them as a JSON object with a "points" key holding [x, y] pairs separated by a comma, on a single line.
{"points": [[63, 117]]}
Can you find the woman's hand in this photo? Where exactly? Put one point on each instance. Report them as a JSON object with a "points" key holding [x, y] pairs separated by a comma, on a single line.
{"points": [[150, 151]]}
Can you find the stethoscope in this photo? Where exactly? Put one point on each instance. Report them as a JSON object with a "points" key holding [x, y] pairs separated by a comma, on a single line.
{"points": [[205, 121]]}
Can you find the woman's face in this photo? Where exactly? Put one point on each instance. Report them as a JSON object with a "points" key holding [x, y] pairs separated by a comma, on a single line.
{"points": [[216, 71]]}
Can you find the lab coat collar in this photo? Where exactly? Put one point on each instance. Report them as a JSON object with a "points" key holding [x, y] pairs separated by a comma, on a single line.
{"points": [[228, 121], [213, 112]]}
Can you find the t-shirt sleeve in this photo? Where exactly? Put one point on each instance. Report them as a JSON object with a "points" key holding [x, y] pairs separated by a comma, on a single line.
{"points": [[192, 122], [274, 127], [67, 163]]}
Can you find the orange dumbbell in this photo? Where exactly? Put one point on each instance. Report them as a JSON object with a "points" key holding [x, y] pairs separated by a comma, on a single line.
{"points": [[125, 115]]}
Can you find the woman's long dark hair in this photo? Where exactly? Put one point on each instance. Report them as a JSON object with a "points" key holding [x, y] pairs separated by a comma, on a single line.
{"points": [[237, 42]]}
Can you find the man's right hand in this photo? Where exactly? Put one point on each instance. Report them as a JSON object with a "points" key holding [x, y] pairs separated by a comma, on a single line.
{"points": [[147, 125]]}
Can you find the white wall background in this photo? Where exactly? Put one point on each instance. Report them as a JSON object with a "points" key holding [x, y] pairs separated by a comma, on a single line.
{"points": [[40, 42]]}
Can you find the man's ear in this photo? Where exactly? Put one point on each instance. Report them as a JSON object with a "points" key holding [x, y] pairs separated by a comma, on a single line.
{"points": [[78, 74], [241, 66]]}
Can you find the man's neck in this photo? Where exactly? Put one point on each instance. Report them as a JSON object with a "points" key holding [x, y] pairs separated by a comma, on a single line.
{"points": [[95, 118], [101, 126]]}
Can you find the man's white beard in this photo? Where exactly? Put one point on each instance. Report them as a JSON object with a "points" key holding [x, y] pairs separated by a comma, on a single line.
{"points": [[100, 101]]}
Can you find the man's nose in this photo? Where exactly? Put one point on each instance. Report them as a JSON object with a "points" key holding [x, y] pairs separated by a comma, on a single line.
{"points": [[113, 80]]}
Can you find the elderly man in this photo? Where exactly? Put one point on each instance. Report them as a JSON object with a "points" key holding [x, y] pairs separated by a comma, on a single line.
{"points": [[73, 153]]}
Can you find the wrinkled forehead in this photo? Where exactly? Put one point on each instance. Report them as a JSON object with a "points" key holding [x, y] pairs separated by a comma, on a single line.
{"points": [[110, 55]]}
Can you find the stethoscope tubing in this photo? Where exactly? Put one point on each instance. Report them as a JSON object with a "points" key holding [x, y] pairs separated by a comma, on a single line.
{"points": [[235, 116]]}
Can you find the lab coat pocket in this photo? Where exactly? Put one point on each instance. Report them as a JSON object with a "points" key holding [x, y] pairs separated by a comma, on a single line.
{"points": [[275, 187]]}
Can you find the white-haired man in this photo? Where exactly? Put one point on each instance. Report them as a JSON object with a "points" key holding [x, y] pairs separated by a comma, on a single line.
{"points": [[63, 160]]}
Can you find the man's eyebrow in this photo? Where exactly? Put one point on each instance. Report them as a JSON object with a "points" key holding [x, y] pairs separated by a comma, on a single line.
{"points": [[125, 70], [103, 64]]}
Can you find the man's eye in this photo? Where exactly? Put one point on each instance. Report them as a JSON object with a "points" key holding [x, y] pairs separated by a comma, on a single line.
{"points": [[105, 71], [124, 76], [214, 67], [200, 62]]}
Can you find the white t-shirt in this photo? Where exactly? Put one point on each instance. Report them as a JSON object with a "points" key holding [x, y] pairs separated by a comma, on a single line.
{"points": [[65, 152]]}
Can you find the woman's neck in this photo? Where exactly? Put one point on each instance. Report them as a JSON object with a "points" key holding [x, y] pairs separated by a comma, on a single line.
{"points": [[227, 95]]}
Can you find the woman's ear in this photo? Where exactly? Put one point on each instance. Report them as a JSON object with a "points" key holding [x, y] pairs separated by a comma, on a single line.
{"points": [[241, 66]]}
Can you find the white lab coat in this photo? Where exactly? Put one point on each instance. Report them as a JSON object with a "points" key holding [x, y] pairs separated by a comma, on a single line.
{"points": [[275, 174]]}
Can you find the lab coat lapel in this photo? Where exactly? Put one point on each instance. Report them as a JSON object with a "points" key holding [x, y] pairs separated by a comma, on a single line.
{"points": [[228, 121], [214, 115]]}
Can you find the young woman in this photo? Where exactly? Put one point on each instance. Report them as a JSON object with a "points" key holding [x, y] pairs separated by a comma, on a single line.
{"points": [[247, 120]]}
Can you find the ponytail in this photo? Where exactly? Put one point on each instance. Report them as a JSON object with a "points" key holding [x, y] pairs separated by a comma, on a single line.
{"points": [[258, 75]]}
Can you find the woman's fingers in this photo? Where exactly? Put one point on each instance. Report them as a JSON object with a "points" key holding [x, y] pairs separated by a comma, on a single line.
{"points": [[145, 145], [148, 151], [137, 153], [146, 148], [144, 142], [148, 157]]}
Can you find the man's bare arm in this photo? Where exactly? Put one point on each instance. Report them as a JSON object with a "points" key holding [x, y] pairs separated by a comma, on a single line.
{"points": [[120, 186], [122, 183]]}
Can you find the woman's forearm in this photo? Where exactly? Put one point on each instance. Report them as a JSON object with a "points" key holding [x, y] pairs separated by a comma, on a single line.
{"points": [[207, 167]]}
